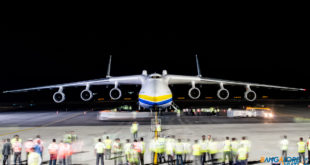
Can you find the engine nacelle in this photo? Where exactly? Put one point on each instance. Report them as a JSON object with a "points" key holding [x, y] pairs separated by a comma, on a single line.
{"points": [[250, 95], [115, 93], [194, 93], [223, 94], [86, 95], [59, 97]]}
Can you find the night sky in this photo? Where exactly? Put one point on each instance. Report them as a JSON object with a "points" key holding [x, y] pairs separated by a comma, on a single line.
{"points": [[34, 58]]}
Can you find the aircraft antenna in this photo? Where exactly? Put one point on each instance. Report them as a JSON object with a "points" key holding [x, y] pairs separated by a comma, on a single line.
{"points": [[109, 67], [198, 68]]}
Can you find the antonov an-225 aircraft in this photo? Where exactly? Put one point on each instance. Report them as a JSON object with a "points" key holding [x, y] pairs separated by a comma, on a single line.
{"points": [[155, 91]]}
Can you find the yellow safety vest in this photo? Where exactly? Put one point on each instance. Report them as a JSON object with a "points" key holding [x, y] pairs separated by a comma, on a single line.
{"points": [[133, 156], [158, 127], [187, 148], [179, 148], [127, 148], [99, 147], [203, 146], [14, 140], [108, 143], [142, 144], [213, 147], [234, 146], [170, 148], [242, 153], [33, 158], [196, 150], [227, 146], [134, 128], [160, 145], [284, 144], [301, 147]]}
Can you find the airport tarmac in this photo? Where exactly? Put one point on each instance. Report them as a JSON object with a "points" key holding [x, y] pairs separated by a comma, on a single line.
{"points": [[264, 136]]}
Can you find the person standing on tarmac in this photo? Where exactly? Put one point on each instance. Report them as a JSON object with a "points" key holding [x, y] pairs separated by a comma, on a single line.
{"points": [[17, 151], [134, 129], [169, 149], [227, 151], [187, 151], [234, 149], [53, 151], [246, 143], [127, 147], [196, 153], [99, 151], [158, 128], [34, 158], [117, 150], [179, 150], [208, 143], [142, 151], [28, 147], [133, 156], [213, 149], [242, 155], [301, 150], [108, 147], [203, 148], [160, 149], [284, 147], [6, 151]]}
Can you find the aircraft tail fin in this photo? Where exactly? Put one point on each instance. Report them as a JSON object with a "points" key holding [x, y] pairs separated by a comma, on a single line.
{"points": [[198, 67], [109, 67]]}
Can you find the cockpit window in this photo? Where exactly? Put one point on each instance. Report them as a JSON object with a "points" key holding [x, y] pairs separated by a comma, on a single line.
{"points": [[155, 77]]}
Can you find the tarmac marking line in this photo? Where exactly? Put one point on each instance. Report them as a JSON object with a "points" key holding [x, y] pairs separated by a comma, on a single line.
{"points": [[44, 125]]}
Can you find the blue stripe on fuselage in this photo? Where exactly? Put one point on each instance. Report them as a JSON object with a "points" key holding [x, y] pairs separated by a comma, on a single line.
{"points": [[155, 103]]}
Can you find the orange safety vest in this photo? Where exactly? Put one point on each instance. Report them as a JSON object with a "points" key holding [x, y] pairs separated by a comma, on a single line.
{"points": [[68, 149], [17, 147], [28, 146], [136, 146], [53, 148], [62, 150]]}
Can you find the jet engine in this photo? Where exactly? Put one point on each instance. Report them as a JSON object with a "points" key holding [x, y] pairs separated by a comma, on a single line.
{"points": [[59, 97], [86, 95], [223, 94], [115, 93], [250, 95], [194, 93]]}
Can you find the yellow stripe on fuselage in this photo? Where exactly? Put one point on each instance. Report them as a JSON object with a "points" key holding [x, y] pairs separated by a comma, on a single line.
{"points": [[155, 98]]}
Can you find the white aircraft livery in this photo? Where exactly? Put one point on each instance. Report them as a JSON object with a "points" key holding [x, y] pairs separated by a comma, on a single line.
{"points": [[155, 91]]}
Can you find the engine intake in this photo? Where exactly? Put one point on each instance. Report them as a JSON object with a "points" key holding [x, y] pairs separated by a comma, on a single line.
{"points": [[223, 94], [86, 95], [250, 95], [59, 97], [194, 93], [115, 93]]}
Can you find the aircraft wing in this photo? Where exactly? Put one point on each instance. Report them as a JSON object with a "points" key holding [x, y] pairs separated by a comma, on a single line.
{"points": [[179, 79], [130, 80]]}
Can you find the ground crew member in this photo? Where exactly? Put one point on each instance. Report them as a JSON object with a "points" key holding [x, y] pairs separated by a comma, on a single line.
{"points": [[127, 147], [246, 143], [67, 138], [16, 138], [68, 153], [308, 146], [134, 129], [73, 136], [6, 151], [234, 149], [34, 158], [179, 150], [196, 153], [208, 142], [284, 146], [178, 112], [169, 148], [213, 150], [62, 153], [38, 147], [187, 151], [28, 145], [158, 128], [160, 149], [242, 155], [203, 148], [117, 149], [53, 150], [227, 151], [133, 156], [17, 150], [301, 150], [108, 146], [142, 151], [99, 151]]}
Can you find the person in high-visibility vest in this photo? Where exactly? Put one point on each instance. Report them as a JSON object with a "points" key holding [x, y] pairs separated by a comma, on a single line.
{"points": [[15, 139], [17, 150], [108, 147], [227, 151], [127, 147], [308, 147], [117, 150], [28, 145], [234, 149], [99, 151], [62, 153], [169, 149], [133, 156], [213, 149], [34, 158], [134, 129], [67, 138], [209, 139], [196, 153], [301, 150], [284, 146], [187, 150], [142, 151], [242, 155], [203, 148], [53, 151], [68, 152], [160, 149], [179, 150]]}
